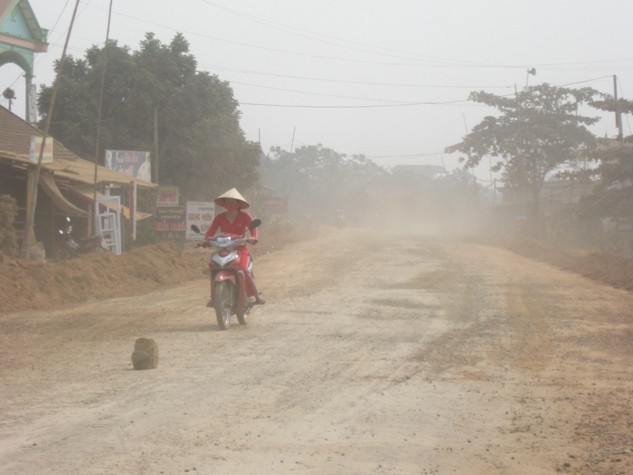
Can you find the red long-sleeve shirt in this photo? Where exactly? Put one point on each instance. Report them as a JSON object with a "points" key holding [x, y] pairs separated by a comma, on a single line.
{"points": [[238, 226]]}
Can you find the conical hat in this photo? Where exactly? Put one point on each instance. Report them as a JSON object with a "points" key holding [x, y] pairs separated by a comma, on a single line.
{"points": [[234, 194]]}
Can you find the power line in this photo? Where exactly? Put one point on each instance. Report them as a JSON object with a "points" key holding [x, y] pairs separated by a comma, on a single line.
{"points": [[276, 50], [368, 106], [418, 61], [346, 81], [456, 62], [318, 94], [415, 155], [293, 31], [463, 102]]}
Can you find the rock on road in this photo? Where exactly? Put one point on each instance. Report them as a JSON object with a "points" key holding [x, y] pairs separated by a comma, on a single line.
{"points": [[374, 354]]}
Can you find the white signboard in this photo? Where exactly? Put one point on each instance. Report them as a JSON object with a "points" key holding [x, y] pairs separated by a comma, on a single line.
{"points": [[36, 148], [201, 214], [130, 163], [32, 93]]}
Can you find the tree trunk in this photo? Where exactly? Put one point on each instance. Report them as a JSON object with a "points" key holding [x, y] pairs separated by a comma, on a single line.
{"points": [[534, 218]]}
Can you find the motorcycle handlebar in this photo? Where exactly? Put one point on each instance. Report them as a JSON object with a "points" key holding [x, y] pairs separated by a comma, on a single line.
{"points": [[236, 241]]}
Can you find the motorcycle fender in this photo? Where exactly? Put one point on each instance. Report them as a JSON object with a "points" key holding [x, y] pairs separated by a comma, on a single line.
{"points": [[222, 276]]}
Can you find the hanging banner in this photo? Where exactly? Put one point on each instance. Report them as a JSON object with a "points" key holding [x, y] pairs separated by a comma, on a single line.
{"points": [[171, 222], [167, 197], [201, 214], [36, 147], [130, 163]]}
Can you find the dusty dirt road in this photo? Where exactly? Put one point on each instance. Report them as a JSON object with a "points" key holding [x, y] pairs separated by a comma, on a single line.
{"points": [[395, 355]]}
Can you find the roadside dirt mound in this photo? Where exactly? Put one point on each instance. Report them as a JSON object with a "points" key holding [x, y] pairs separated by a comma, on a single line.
{"points": [[615, 270], [26, 284]]}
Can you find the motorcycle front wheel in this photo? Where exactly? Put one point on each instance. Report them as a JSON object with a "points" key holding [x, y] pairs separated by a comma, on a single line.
{"points": [[223, 303]]}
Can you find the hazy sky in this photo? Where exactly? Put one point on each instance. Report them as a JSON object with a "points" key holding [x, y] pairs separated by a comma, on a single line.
{"points": [[388, 79]]}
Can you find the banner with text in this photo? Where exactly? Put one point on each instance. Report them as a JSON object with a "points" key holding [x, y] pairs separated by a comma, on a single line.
{"points": [[201, 214], [171, 222], [167, 196], [131, 163]]}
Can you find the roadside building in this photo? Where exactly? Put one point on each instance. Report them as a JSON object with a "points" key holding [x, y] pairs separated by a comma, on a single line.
{"points": [[66, 186]]}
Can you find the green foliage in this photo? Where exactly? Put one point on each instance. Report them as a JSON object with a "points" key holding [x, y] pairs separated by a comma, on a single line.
{"points": [[613, 195], [202, 148], [537, 133], [8, 212]]}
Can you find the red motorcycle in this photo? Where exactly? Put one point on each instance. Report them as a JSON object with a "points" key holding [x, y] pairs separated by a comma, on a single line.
{"points": [[229, 290]]}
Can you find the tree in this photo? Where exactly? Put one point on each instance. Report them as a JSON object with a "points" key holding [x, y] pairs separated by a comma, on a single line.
{"points": [[202, 147], [320, 182], [537, 133], [613, 195]]}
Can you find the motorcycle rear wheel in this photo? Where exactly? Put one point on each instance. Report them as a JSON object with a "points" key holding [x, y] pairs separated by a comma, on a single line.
{"points": [[223, 303]]}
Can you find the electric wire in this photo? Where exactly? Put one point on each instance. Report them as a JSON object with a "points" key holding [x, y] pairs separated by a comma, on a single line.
{"points": [[322, 57]]}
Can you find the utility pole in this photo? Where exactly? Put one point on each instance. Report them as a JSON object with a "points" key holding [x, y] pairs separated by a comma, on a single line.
{"points": [[91, 224], [618, 114], [292, 144], [33, 174], [155, 171]]}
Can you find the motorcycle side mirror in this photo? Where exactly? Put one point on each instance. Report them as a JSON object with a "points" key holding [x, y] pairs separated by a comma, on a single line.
{"points": [[255, 223], [195, 229]]}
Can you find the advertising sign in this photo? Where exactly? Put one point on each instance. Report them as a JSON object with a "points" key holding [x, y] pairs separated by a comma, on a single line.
{"points": [[201, 214], [36, 147], [167, 197], [32, 99], [130, 163], [171, 222]]}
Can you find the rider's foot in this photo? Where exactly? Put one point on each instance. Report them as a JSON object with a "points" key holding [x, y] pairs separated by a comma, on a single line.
{"points": [[260, 301], [210, 303]]}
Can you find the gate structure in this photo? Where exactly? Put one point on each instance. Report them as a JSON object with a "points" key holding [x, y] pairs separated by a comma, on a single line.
{"points": [[20, 38], [108, 221]]}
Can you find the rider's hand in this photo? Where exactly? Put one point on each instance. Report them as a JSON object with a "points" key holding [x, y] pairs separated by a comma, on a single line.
{"points": [[252, 241]]}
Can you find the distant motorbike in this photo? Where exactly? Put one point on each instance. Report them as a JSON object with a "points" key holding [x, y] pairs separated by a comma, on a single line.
{"points": [[339, 219], [67, 246], [229, 290]]}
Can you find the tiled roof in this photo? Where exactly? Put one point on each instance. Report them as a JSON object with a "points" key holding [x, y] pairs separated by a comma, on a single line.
{"points": [[15, 143]]}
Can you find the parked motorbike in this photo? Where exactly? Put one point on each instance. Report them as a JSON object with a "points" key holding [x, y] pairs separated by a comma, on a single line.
{"points": [[67, 246], [229, 289]]}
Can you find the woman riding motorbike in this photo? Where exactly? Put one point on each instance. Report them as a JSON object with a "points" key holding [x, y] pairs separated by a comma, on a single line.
{"points": [[235, 221]]}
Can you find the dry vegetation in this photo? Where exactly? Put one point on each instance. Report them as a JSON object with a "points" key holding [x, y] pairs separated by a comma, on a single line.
{"points": [[615, 270], [27, 284]]}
